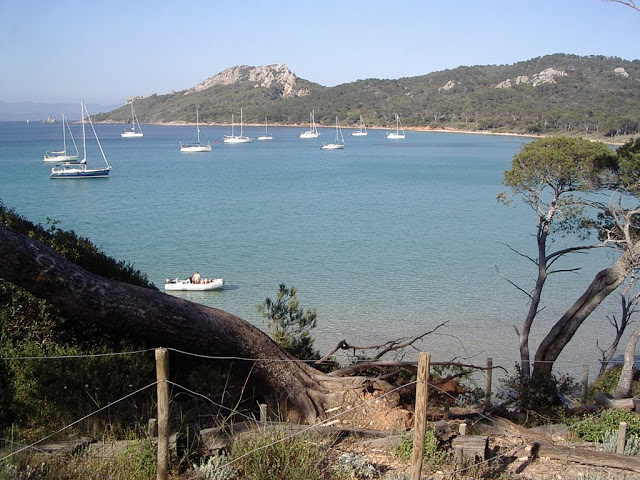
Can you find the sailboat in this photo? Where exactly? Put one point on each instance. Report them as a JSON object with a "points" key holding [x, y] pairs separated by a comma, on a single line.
{"points": [[267, 135], [62, 156], [339, 142], [195, 147], [80, 170], [397, 134], [236, 138], [133, 133], [362, 132], [313, 131]]}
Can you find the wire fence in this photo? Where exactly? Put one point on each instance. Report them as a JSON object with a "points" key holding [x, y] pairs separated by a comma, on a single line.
{"points": [[16, 448]]}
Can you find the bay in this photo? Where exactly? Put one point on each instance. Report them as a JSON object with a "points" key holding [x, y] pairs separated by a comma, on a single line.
{"points": [[385, 239]]}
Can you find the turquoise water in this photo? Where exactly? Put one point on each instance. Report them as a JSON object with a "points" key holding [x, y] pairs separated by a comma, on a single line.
{"points": [[385, 239]]}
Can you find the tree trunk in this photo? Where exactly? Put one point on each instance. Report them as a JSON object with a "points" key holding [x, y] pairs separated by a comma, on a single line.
{"points": [[605, 282], [626, 375], [296, 390]]}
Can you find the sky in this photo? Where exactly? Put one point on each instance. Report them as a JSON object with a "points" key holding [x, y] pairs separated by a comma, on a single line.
{"points": [[106, 51]]}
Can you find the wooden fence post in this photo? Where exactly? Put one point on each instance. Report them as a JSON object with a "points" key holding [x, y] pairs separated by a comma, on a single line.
{"points": [[622, 438], [487, 393], [162, 375], [420, 415], [585, 383]]}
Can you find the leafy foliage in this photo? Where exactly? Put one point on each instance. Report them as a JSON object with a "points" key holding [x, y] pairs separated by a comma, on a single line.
{"points": [[542, 398], [276, 455], [434, 455], [289, 324], [594, 427]]}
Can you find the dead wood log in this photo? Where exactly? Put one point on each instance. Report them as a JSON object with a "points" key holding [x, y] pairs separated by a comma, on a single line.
{"points": [[607, 401]]}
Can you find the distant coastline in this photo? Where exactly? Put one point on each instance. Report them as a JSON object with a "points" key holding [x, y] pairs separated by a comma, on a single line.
{"points": [[376, 127]]}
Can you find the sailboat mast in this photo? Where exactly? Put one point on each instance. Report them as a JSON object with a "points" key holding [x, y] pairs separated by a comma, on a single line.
{"points": [[198, 125], [64, 137], [84, 136], [241, 121]]}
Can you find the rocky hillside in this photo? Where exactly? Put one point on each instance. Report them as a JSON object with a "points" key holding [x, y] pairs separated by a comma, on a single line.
{"points": [[592, 95], [262, 77]]}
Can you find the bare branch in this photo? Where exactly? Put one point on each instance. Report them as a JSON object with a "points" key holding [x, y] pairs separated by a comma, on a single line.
{"points": [[628, 3]]}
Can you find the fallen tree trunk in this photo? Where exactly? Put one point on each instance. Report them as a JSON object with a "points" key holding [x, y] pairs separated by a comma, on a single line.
{"points": [[292, 388], [542, 446]]}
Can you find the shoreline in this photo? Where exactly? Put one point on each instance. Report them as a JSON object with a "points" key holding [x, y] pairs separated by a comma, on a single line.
{"points": [[410, 129]]}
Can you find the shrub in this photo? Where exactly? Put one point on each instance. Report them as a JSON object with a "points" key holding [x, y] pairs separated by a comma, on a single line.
{"points": [[594, 427], [276, 455], [433, 454], [544, 399]]}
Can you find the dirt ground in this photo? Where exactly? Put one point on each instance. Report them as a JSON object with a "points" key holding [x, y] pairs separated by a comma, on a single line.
{"points": [[508, 456]]}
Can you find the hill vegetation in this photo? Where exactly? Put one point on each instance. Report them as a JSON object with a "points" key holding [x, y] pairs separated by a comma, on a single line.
{"points": [[577, 95]]}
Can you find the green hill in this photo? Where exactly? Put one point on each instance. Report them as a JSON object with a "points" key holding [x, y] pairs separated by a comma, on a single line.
{"points": [[592, 95]]}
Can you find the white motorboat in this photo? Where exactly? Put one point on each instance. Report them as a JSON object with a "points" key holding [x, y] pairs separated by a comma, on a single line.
{"points": [[338, 144], [61, 156], [362, 131], [195, 147], [313, 131], [132, 132], [204, 284], [67, 170], [267, 135], [398, 134], [236, 138]]}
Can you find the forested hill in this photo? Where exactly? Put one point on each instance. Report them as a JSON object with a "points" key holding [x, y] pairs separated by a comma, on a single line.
{"points": [[592, 95]]}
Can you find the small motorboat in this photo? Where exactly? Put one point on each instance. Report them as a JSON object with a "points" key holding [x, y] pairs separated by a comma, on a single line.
{"points": [[203, 284]]}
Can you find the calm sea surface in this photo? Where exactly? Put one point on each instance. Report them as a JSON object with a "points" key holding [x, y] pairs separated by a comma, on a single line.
{"points": [[385, 239]]}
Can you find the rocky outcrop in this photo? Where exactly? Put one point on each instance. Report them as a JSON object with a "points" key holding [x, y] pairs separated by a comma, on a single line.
{"points": [[546, 76], [264, 76], [621, 71], [448, 86], [132, 99]]}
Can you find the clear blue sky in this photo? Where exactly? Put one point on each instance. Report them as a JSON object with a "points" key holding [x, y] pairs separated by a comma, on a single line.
{"points": [[105, 51]]}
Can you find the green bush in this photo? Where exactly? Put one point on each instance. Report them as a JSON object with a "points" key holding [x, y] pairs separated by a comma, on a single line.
{"points": [[433, 454], [608, 382], [594, 427], [278, 455], [543, 399]]}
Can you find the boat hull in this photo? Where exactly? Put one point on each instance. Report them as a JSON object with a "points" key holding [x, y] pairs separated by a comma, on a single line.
{"points": [[131, 134], [309, 135], [195, 148], [63, 171], [333, 146], [265, 137], [395, 136], [186, 285], [358, 134], [61, 158], [237, 139]]}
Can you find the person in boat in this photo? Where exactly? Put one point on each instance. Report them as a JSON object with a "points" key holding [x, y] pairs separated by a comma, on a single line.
{"points": [[195, 278]]}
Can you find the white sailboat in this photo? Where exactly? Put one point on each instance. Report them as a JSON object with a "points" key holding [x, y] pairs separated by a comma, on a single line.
{"points": [[236, 138], [132, 132], [397, 134], [195, 147], [267, 135], [362, 132], [313, 131], [61, 156], [339, 142], [80, 170]]}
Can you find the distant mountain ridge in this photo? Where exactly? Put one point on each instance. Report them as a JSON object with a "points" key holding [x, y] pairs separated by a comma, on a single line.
{"points": [[23, 111], [585, 95]]}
